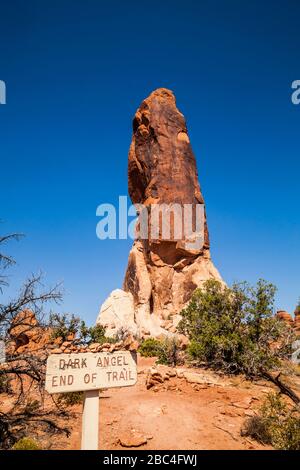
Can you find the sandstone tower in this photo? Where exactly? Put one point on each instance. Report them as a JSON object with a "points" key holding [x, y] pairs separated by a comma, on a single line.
{"points": [[161, 274]]}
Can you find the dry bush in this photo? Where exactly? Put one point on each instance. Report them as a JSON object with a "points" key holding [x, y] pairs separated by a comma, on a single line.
{"points": [[24, 373], [277, 424]]}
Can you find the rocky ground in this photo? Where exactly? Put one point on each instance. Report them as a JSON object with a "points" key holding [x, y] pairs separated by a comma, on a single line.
{"points": [[170, 409]]}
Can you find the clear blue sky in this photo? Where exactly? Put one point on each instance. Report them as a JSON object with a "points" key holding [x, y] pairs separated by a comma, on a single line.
{"points": [[75, 73]]}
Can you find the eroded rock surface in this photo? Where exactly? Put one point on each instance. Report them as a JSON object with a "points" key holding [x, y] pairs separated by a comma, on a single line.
{"points": [[163, 271]]}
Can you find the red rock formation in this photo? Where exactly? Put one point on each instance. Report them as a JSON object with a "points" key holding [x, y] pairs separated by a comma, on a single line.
{"points": [[26, 334], [297, 320], [293, 322], [285, 316], [162, 271], [162, 274]]}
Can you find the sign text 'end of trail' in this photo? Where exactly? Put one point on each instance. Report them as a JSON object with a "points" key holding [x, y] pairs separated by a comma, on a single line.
{"points": [[90, 371]]}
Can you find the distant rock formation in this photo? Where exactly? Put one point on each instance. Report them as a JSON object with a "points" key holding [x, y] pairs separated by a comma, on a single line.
{"points": [[162, 273], [26, 334], [294, 323], [297, 320], [287, 317]]}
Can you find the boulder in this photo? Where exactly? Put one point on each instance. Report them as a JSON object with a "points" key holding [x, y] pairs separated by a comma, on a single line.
{"points": [[117, 312]]}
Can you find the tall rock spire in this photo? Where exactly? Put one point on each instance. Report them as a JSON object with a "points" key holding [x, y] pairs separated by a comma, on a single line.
{"points": [[162, 273]]}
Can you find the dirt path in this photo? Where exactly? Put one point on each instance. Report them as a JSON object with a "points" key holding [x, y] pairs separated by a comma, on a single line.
{"points": [[174, 415]]}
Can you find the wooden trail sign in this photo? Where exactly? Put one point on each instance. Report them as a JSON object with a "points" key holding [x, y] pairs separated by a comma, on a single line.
{"points": [[90, 372]]}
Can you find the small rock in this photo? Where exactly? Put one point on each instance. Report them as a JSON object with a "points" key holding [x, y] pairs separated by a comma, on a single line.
{"points": [[105, 345], [231, 414], [170, 372], [244, 404], [180, 373], [154, 377], [132, 439], [71, 337], [56, 351], [194, 377], [94, 345]]}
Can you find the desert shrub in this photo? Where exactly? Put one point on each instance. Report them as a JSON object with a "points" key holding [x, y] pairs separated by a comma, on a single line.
{"points": [[64, 325], [234, 329], [256, 428], [26, 443], [169, 352], [93, 334], [276, 424], [70, 398], [150, 347], [166, 350]]}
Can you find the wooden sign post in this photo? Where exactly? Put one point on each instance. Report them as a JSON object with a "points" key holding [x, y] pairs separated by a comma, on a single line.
{"points": [[90, 420], [90, 372]]}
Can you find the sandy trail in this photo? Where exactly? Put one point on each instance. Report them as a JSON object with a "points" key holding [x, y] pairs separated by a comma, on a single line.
{"points": [[175, 416]]}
